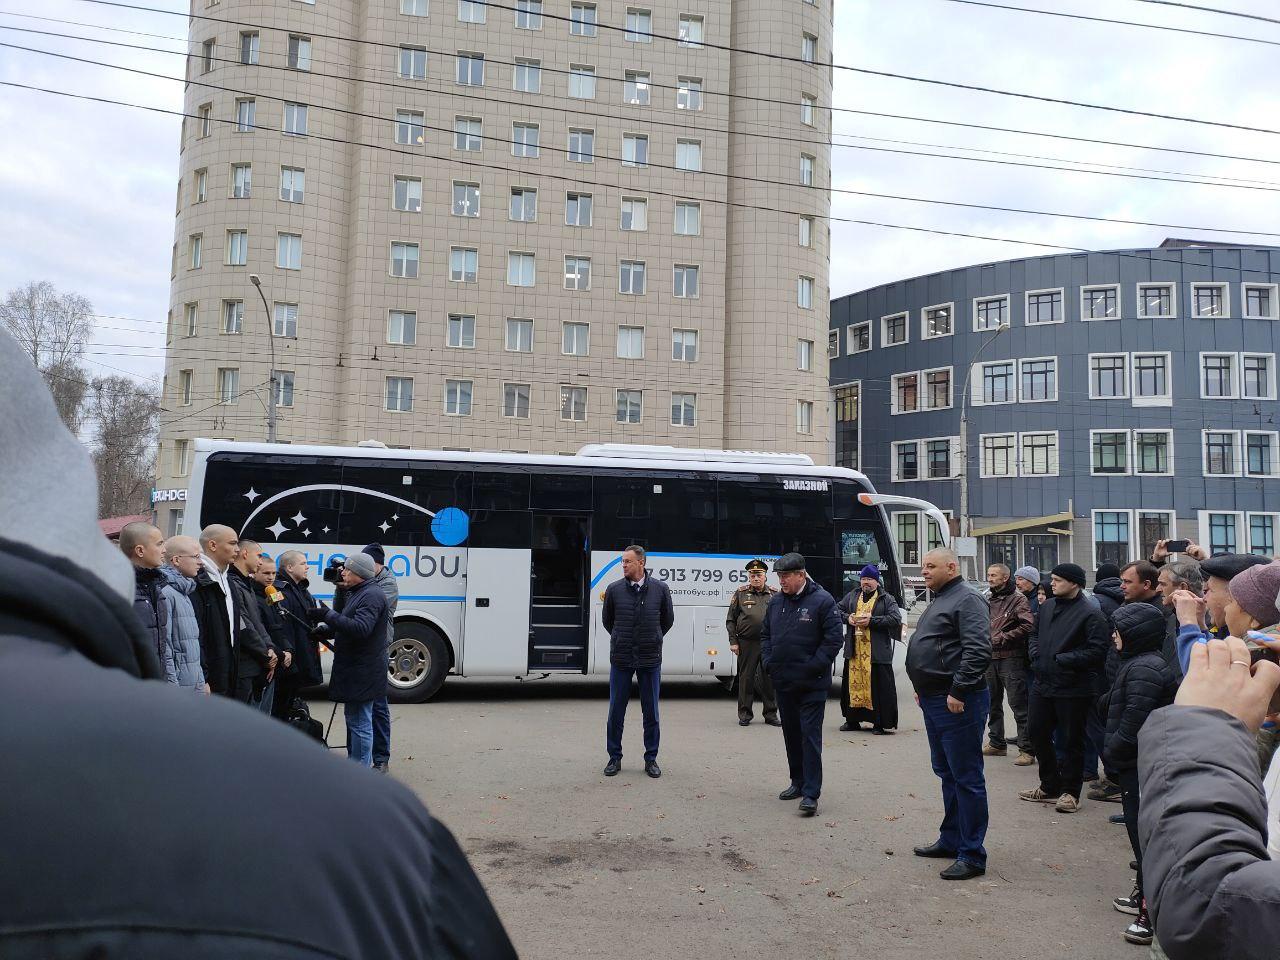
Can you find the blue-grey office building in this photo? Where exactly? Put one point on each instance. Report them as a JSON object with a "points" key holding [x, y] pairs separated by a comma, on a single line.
{"points": [[1130, 397]]}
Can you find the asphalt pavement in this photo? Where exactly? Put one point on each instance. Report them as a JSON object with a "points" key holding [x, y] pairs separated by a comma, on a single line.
{"points": [[707, 863]]}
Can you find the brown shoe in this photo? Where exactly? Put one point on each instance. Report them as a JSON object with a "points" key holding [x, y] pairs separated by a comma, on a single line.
{"points": [[990, 751], [1036, 795], [1025, 760], [1067, 804]]}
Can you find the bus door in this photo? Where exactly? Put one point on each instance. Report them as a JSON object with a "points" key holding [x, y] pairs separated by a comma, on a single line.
{"points": [[559, 607]]}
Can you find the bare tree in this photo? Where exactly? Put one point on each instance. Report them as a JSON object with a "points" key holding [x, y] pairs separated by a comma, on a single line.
{"points": [[51, 327], [126, 415]]}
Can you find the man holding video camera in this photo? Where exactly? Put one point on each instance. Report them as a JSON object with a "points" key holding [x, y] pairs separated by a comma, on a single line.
{"points": [[359, 674]]}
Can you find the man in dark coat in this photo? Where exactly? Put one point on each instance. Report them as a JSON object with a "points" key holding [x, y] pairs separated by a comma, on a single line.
{"points": [[256, 657], [881, 625], [179, 856], [1011, 623], [304, 671], [743, 621], [1110, 593], [1108, 590], [143, 544], [799, 642], [359, 675], [637, 614], [1068, 648], [217, 609], [1144, 683]]}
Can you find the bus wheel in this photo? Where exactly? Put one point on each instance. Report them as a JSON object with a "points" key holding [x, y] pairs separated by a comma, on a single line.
{"points": [[417, 663], [730, 684]]}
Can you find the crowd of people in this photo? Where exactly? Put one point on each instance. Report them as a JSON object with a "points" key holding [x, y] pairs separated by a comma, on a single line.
{"points": [[226, 618]]}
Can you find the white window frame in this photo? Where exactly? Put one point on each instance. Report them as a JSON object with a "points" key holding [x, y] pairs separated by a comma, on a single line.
{"points": [[692, 150], [1164, 400], [1026, 306], [633, 142], [692, 210], [280, 319], [805, 289], [404, 341], [1128, 453], [586, 25], [1238, 464], [524, 194], [293, 122], [463, 277], [1022, 460], [697, 282], [400, 395], [409, 245], [808, 103], [885, 342], [950, 306], [953, 458], [409, 182], [617, 401], [532, 263], [804, 232], [532, 71], [464, 136], [298, 52], [977, 381], [1132, 525], [951, 387], [1084, 301], [1126, 374], [531, 12], [529, 151], [804, 417], [409, 122], [573, 389], [894, 476], [564, 330], [804, 354], [477, 11], [466, 78], [634, 34], [296, 189], [684, 394], [1202, 525], [808, 167], [466, 339], [1135, 462], [516, 325], [1271, 375], [644, 214], [573, 200], [1274, 300], [466, 186], [1015, 453], [687, 26], [1248, 530], [640, 83], [1222, 288], [849, 338], [515, 408], [1273, 441], [979, 301], [1173, 300], [1235, 374], [689, 93], [409, 56], [630, 331], [629, 268], [682, 358], [282, 235], [1057, 379], [578, 286], [894, 411], [237, 250], [453, 396], [582, 81]]}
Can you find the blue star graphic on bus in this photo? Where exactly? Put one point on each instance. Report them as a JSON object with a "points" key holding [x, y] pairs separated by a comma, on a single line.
{"points": [[450, 526]]}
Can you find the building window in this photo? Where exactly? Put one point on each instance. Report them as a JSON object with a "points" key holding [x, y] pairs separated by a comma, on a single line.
{"points": [[684, 409], [998, 380], [411, 127], [906, 530], [1222, 453], [1100, 303], [684, 345], [471, 69], [1044, 306], [284, 319], [582, 20], [407, 194], [181, 457], [577, 210], [204, 120], [464, 264], [524, 204], [300, 54], [938, 458], [690, 31], [582, 146], [804, 416], [631, 343], [413, 63], [521, 270], [192, 312], [466, 199], [471, 11], [1039, 379], [457, 398], [515, 400], [295, 119], [519, 335], [195, 250], [241, 181], [524, 140], [635, 88], [577, 273], [1108, 376], [805, 236], [631, 277], [689, 155], [635, 213], [402, 327], [688, 219], [228, 384], [809, 48], [207, 55], [1261, 454], [635, 150], [1151, 377], [527, 76], [858, 338], [1110, 453], [1260, 301], [460, 331], [804, 354], [232, 316], [573, 403], [400, 394], [413, 8], [1218, 376], [630, 403], [990, 312], [576, 340], [1153, 453], [937, 321], [804, 293], [689, 93], [293, 184], [468, 133], [999, 455], [237, 248], [807, 103], [250, 44], [582, 82], [1223, 533], [639, 26], [1209, 301], [906, 393], [833, 344], [1156, 300], [937, 389], [686, 281], [1257, 376], [246, 112], [200, 192], [806, 170], [404, 260], [894, 330], [528, 14], [1262, 534], [1039, 454], [847, 408], [289, 251], [284, 387], [1111, 536]]}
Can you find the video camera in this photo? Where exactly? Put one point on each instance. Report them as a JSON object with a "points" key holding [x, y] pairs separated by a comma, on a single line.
{"points": [[333, 571]]}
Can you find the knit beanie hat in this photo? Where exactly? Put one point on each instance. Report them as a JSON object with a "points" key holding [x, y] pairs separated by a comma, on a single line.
{"points": [[361, 564], [1107, 571], [1254, 591], [375, 550], [1028, 573], [1070, 571], [870, 571]]}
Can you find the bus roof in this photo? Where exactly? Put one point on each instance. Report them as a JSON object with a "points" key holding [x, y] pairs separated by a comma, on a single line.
{"points": [[619, 455]]}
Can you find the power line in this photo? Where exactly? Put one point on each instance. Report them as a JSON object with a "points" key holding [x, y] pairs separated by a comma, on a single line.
{"points": [[976, 88], [1225, 13]]}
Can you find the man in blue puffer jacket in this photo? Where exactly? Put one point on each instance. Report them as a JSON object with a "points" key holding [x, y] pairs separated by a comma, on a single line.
{"points": [[180, 651], [799, 640]]}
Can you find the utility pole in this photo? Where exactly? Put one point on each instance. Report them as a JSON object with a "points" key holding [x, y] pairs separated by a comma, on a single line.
{"points": [[964, 436], [271, 342]]}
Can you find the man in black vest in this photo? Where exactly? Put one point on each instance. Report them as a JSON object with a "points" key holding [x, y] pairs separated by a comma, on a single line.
{"points": [[637, 613]]}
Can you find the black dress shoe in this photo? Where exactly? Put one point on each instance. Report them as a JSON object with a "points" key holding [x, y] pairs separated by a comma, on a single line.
{"points": [[612, 767], [961, 871], [935, 851], [652, 769], [808, 807], [1116, 818], [881, 731], [847, 726], [790, 793], [1133, 864], [773, 721], [744, 723]]}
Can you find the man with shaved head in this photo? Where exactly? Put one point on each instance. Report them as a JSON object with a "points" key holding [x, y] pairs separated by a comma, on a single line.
{"points": [[216, 608], [947, 662], [256, 658], [181, 655], [143, 544]]}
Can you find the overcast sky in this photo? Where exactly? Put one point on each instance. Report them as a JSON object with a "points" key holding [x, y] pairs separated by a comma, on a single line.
{"points": [[87, 190]]}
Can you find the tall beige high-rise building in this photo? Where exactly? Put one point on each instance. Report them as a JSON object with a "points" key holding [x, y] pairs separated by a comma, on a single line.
{"points": [[524, 226]]}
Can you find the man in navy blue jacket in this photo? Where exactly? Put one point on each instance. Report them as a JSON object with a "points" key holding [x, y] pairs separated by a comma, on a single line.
{"points": [[799, 641], [637, 613]]}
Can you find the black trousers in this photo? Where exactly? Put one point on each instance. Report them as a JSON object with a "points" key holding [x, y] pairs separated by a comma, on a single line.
{"points": [[1068, 715], [1130, 802], [884, 698], [286, 690], [801, 712]]}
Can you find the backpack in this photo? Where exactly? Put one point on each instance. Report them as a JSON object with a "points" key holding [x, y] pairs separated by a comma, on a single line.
{"points": [[299, 717]]}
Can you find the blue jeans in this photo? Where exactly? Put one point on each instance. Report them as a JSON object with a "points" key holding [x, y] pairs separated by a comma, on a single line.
{"points": [[381, 731], [955, 749], [801, 713], [620, 695], [359, 732]]}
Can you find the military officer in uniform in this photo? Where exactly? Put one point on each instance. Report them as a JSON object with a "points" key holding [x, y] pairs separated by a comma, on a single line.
{"points": [[746, 614]]}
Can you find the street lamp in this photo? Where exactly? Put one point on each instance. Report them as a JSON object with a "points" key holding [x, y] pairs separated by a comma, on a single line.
{"points": [[271, 341], [964, 431]]}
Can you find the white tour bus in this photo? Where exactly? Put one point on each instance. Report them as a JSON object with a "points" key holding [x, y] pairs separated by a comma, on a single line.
{"points": [[502, 559]]}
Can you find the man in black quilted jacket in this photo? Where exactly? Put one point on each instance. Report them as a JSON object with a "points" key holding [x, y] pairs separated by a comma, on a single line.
{"points": [[637, 613]]}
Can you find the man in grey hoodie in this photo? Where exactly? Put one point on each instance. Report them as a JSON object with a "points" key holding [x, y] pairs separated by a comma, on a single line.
{"points": [[180, 652]]}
